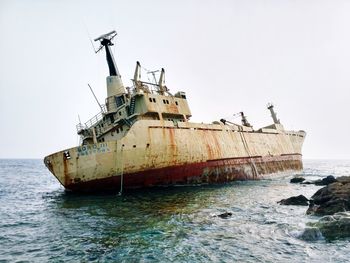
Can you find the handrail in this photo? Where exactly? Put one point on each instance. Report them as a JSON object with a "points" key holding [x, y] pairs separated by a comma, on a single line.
{"points": [[91, 122]]}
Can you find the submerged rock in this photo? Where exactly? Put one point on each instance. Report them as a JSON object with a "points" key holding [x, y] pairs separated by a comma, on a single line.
{"points": [[311, 234], [335, 226], [307, 182], [331, 199], [297, 179], [225, 215], [295, 200]]}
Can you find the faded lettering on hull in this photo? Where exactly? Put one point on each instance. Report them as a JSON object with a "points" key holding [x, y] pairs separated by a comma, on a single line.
{"points": [[156, 155], [92, 149]]}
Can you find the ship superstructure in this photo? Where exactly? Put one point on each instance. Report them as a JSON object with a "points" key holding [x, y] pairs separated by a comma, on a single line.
{"points": [[124, 106], [143, 137]]}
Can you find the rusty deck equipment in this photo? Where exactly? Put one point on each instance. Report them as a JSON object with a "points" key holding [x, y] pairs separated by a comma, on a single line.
{"points": [[143, 137]]}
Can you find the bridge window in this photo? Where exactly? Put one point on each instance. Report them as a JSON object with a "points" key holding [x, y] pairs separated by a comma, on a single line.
{"points": [[120, 100]]}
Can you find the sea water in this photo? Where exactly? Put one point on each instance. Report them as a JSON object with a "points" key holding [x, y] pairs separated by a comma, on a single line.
{"points": [[41, 222]]}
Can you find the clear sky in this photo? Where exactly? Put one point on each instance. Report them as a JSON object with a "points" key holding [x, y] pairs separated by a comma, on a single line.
{"points": [[228, 56]]}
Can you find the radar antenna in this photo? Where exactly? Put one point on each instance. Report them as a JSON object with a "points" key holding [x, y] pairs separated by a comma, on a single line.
{"points": [[154, 75], [106, 41]]}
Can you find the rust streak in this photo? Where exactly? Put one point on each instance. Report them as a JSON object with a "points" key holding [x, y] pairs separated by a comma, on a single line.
{"points": [[65, 172], [219, 171]]}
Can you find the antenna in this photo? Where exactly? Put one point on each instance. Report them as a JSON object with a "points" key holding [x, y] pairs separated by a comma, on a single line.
{"points": [[236, 115], [154, 75], [87, 31], [106, 41], [92, 44], [96, 98], [106, 38]]}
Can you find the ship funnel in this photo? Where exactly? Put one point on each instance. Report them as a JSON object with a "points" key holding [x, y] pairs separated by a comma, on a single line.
{"points": [[273, 113], [115, 86], [114, 83]]}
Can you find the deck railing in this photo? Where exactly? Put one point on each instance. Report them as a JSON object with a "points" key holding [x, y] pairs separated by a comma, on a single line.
{"points": [[95, 119]]}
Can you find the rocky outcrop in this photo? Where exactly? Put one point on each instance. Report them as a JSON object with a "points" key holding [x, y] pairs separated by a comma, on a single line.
{"points": [[331, 199], [333, 203], [326, 181], [297, 179], [333, 226], [295, 200]]}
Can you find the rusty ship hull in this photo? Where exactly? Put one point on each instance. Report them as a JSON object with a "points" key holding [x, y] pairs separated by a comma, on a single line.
{"points": [[158, 153], [143, 137]]}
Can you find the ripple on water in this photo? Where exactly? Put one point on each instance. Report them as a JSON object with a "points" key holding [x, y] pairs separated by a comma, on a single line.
{"points": [[41, 222]]}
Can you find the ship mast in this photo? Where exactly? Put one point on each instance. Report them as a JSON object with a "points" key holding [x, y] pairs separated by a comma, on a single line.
{"points": [[106, 42], [115, 85], [273, 114]]}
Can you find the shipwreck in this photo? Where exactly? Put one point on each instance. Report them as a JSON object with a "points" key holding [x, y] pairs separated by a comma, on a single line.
{"points": [[143, 137]]}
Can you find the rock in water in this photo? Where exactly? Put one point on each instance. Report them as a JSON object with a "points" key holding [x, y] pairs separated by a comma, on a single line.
{"points": [[295, 200], [331, 199], [225, 215], [335, 226], [311, 234], [326, 181], [297, 179]]}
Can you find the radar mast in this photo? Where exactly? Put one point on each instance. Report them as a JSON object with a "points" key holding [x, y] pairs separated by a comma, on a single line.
{"points": [[115, 85], [106, 42]]}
